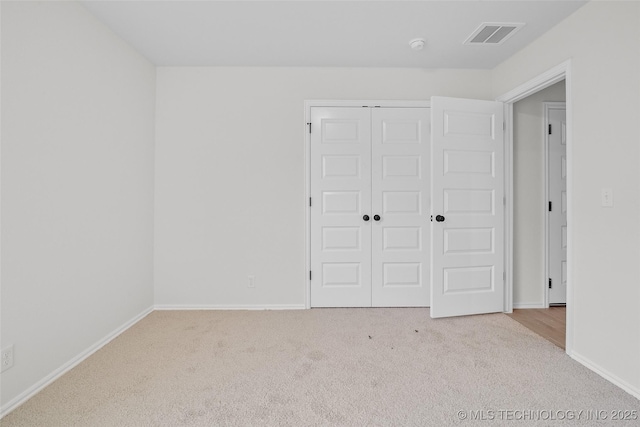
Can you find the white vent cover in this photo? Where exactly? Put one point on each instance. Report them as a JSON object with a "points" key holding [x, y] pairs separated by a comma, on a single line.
{"points": [[493, 33]]}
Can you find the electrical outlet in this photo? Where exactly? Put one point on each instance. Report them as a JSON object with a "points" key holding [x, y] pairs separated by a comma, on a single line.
{"points": [[252, 282], [7, 358]]}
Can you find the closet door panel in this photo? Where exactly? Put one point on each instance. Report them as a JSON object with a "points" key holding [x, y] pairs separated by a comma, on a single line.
{"points": [[341, 196], [400, 242]]}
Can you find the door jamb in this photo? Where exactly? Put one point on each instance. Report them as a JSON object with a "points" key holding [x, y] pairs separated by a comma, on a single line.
{"points": [[308, 104], [542, 81], [548, 106]]}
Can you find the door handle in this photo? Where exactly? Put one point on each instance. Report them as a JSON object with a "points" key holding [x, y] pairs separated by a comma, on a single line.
{"points": [[376, 217], [366, 217], [439, 218]]}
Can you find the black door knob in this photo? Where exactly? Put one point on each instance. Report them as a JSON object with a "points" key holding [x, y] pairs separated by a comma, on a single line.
{"points": [[366, 217], [439, 218], [376, 217]]}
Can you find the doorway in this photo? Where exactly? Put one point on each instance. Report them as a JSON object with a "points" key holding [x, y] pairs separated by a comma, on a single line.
{"points": [[527, 261], [532, 200]]}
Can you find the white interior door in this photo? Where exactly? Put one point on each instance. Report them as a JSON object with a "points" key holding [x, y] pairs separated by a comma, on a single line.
{"points": [[557, 215], [340, 197], [401, 236], [467, 193]]}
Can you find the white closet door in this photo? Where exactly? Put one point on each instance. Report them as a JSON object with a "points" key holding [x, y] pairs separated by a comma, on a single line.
{"points": [[400, 207], [467, 207], [341, 195], [557, 215]]}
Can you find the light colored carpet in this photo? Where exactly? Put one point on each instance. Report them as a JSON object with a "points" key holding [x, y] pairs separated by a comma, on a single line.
{"points": [[321, 367]]}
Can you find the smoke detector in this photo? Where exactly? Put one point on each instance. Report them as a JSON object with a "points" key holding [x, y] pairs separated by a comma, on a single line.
{"points": [[493, 33], [417, 44]]}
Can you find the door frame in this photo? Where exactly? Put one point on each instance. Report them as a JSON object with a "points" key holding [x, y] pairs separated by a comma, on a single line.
{"points": [[548, 106], [554, 75], [308, 104]]}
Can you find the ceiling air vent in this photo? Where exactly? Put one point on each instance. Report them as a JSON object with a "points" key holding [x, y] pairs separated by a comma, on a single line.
{"points": [[492, 33]]}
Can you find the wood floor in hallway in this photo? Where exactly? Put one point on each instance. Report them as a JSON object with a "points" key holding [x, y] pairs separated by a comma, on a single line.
{"points": [[549, 323]]}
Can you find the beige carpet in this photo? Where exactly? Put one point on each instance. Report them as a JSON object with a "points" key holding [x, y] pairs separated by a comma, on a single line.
{"points": [[322, 367]]}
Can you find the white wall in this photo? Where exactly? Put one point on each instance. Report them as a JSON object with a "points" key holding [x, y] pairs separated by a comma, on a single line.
{"points": [[77, 187], [529, 196], [602, 39], [230, 173]]}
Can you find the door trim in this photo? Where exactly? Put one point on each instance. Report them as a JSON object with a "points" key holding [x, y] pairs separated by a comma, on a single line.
{"points": [[548, 106], [308, 104], [554, 75]]}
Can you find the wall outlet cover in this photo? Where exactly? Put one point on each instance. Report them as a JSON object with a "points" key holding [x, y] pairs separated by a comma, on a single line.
{"points": [[6, 359]]}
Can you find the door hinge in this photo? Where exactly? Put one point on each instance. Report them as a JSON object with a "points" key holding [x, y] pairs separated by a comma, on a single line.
{"points": [[550, 206], [309, 124], [309, 201], [550, 283], [504, 276], [549, 128], [504, 125], [309, 274], [504, 201]]}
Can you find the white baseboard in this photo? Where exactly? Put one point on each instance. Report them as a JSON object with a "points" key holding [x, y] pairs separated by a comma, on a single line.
{"points": [[230, 307], [34, 389], [528, 305], [634, 391]]}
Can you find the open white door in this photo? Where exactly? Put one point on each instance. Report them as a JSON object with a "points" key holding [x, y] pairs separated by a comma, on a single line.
{"points": [[467, 207]]}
